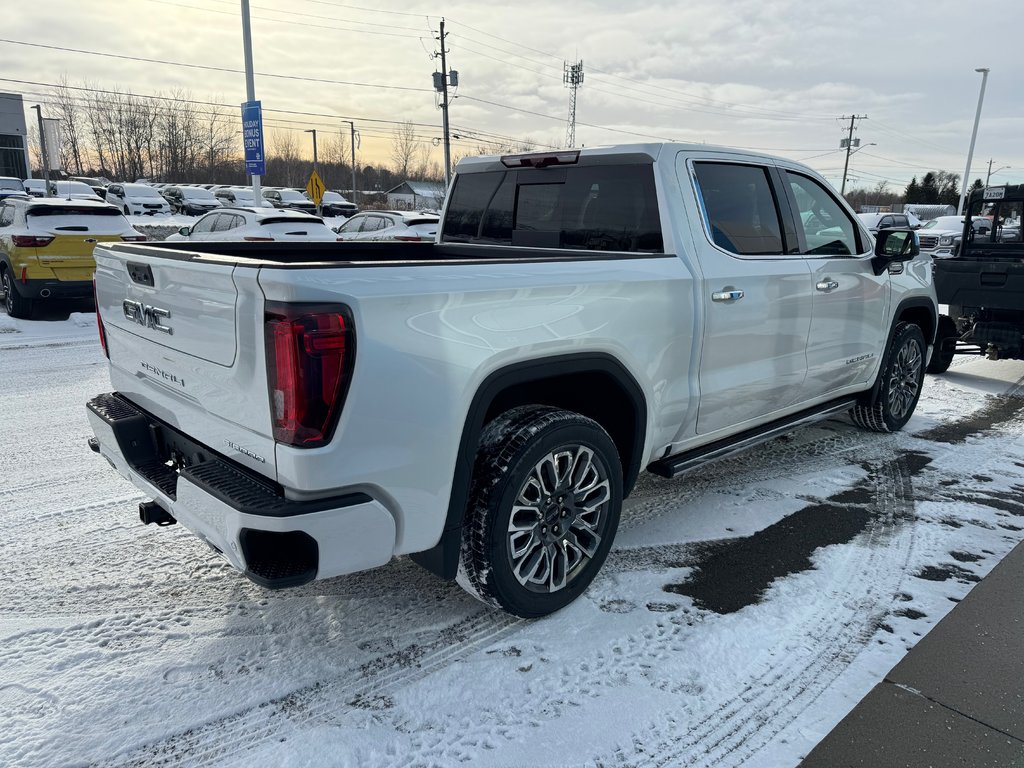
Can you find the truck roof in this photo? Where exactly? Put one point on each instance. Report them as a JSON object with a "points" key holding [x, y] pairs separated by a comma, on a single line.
{"points": [[635, 152]]}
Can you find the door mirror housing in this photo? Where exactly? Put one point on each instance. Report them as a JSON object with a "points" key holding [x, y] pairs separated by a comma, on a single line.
{"points": [[892, 246], [185, 231]]}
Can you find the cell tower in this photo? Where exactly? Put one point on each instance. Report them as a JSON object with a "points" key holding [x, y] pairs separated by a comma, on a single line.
{"points": [[573, 79]]}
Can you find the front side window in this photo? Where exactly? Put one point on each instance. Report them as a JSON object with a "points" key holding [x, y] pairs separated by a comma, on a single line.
{"points": [[741, 214], [206, 224], [353, 224], [827, 229]]}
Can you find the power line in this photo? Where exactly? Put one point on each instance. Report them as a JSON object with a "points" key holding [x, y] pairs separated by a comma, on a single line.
{"points": [[208, 67], [275, 21]]}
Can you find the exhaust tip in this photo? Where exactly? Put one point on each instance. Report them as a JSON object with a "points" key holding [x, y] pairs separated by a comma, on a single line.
{"points": [[151, 512]]}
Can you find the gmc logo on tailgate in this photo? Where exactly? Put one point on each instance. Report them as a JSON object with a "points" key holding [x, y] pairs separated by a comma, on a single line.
{"points": [[145, 315]]}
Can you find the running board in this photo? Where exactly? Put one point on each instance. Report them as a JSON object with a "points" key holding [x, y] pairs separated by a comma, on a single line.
{"points": [[677, 464]]}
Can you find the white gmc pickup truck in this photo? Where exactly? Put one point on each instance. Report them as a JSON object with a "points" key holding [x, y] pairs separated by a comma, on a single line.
{"points": [[485, 402]]}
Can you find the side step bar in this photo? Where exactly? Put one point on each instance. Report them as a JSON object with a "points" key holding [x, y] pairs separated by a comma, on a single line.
{"points": [[680, 463]]}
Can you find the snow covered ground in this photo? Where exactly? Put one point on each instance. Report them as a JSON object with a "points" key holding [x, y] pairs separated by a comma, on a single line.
{"points": [[744, 610]]}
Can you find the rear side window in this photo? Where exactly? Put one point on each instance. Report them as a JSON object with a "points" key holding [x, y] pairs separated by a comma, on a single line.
{"points": [[592, 208], [6, 215], [741, 213]]}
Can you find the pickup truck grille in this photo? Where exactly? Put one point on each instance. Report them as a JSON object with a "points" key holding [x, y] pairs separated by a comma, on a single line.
{"points": [[928, 242]]}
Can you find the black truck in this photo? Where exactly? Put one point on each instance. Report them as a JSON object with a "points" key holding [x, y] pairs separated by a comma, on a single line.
{"points": [[983, 283]]}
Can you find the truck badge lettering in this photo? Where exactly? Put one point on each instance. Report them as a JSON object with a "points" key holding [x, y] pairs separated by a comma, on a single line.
{"points": [[161, 373], [146, 316]]}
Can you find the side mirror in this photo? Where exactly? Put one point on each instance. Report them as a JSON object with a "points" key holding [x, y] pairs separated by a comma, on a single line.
{"points": [[185, 231], [893, 246]]}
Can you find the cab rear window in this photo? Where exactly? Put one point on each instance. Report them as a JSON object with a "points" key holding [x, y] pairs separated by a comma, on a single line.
{"points": [[592, 208]]}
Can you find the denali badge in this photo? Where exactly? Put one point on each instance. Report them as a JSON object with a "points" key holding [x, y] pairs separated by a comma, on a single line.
{"points": [[145, 315], [236, 447]]}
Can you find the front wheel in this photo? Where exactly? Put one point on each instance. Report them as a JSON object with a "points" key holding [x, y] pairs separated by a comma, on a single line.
{"points": [[945, 346], [899, 386], [543, 510], [15, 304]]}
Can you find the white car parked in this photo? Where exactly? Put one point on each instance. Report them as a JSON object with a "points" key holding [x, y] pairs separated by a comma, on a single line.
{"points": [[10, 186], [389, 225], [238, 196], [35, 187], [137, 199], [72, 190], [258, 226]]}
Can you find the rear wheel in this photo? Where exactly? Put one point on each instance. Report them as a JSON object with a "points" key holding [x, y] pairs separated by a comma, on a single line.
{"points": [[543, 510], [899, 383], [15, 304], [945, 346]]}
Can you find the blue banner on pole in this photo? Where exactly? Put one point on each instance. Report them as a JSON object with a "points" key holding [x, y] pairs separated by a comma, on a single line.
{"points": [[252, 135]]}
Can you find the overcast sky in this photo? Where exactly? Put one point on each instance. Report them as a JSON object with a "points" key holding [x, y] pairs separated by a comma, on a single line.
{"points": [[775, 75]]}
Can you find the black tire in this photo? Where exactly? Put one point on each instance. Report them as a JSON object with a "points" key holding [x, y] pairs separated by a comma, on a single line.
{"points": [[126, 211], [945, 346], [899, 386], [15, 304], [522, 451]]}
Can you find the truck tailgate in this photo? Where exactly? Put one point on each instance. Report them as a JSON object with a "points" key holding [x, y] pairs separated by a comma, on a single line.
{"points": [[174, 329]]}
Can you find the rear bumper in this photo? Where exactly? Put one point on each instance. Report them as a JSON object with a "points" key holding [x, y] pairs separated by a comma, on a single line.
{"points": [[273, 540], [55, 289]]}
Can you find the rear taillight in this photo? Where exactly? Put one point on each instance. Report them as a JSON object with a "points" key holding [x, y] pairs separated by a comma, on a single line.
{"points": [[310, 352], [99, 321], [253, 239], [134, 238], [31, 241]]}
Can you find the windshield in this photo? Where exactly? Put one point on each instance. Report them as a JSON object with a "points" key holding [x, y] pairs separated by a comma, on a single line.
{"points": [[292, 196], [6, 183], [73, 188], [197, 193], [945, 222], [141, 190]]}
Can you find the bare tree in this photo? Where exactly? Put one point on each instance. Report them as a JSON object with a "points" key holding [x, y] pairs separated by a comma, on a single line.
{"points": [[405, 149]]}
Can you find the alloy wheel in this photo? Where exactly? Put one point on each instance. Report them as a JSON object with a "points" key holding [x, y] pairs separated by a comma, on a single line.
{"points": [[557, 518], [906, 379]]}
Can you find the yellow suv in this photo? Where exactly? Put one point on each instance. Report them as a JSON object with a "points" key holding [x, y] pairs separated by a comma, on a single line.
{"points": [[46, 248]]}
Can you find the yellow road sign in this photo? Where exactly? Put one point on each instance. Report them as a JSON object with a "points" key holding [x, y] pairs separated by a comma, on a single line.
{"points": [[315, 188]]}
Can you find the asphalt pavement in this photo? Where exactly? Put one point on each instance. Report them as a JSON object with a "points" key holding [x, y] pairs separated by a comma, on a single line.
{"points": [[957, 699]]}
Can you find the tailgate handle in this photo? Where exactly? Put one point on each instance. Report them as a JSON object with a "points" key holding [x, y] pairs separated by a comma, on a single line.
{"points": [[140, 273], [993, 278]]}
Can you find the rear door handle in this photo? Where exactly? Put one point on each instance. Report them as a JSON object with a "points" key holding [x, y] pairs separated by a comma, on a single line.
{"points": [[730, 295], [827, 285]]}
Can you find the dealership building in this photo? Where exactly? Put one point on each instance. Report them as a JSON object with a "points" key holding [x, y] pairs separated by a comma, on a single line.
{"points": [[13, 137]]}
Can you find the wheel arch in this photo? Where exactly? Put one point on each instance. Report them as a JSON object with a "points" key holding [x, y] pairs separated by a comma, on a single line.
{"points": [[917, 310], [595, 385]]}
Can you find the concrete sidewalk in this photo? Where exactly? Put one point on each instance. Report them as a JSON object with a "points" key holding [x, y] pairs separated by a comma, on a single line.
{"points": [[957, 699]]}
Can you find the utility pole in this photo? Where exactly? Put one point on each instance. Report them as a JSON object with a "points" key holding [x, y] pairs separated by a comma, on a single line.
{"points": [[250, 86], [42, 145], [849, 144], [442, 80], [352, 127], [997, 170], [573, 79], [974, 135]]}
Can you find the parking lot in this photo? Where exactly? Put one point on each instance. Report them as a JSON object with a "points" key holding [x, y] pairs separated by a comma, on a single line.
{"points": [[745, 609]]}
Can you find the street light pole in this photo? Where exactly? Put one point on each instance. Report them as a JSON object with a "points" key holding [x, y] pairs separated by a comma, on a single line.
{"points": [[316, 168], [250, 85], [990, 171], [42, 146], [974, 135], [352, 127]]}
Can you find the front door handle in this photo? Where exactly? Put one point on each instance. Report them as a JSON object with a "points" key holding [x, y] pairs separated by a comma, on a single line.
{"points": [[827, 285], [729, 295]]}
